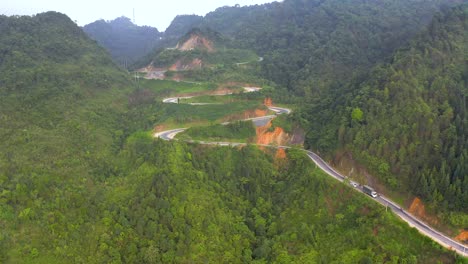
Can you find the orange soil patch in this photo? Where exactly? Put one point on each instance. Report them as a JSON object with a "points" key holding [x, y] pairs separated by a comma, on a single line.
{"points": [[417, 208], [180, 66], [277, 136], [268, 102], [259, 112], [196, 42], [463, 236], [280, 154]]}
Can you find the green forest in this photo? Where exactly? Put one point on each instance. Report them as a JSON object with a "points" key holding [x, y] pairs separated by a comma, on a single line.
{"points": [[83, 180], [125, 41], [407, 120], [382, 80]]}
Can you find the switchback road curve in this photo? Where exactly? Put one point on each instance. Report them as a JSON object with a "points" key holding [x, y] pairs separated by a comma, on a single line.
{"points": [[422, 227]]}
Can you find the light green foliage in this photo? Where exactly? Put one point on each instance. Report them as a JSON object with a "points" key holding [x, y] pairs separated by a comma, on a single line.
{"points": [[236, 131], [81, 183], [166, 88], [357, 114], [184, 113]]}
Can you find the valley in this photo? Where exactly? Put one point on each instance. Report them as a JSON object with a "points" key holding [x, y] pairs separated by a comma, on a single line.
{"points": [[288, 132], [395, 208]]}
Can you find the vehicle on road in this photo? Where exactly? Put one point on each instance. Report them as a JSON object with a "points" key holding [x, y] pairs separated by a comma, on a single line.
{"points": [[354, 184], [369, 191]]}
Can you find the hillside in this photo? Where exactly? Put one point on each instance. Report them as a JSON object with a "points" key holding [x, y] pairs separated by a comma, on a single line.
{"points": [[310, 46], [60, 97], [181, 25], [407, 122], [198, 49], [321, 51], [125, 41], [83, 181]]}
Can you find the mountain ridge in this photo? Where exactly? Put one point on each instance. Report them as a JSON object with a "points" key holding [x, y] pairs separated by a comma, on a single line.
{"points": [[125, 41]]}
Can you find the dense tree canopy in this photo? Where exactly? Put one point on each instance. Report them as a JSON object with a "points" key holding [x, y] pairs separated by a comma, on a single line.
{"points": [[310, 45], [407, 120], [83, 181], [125, 41]]}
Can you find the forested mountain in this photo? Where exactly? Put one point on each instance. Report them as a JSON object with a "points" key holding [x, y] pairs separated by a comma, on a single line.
{"points": [[81, 183], [407, 120], [315, 49], [199, 48], [59, 104], [181, 25], [312, 45], [125, 41]]}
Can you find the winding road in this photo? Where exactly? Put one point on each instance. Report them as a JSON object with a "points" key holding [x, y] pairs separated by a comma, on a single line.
{"points": [[422, 227]]}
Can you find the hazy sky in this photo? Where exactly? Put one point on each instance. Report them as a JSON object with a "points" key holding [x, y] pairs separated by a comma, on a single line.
{"points": [[156, 13]]}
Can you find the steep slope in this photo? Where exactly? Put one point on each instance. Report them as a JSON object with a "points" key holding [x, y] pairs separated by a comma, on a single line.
{"points": [[312, 45], [181, 25], [125, 41], [200, 49], [60, 97], [197, 39], [77, 185], [408, 121]]}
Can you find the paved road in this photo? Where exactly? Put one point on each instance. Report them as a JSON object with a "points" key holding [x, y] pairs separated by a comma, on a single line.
{"points": [[403, 214], [169, 134], [279, 110]]}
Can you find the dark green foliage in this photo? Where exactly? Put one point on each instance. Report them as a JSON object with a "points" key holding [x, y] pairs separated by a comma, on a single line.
{"points": [[181, 25], [407, 121], [125, 41], [310, 45], [80, 182], [204, 204]]}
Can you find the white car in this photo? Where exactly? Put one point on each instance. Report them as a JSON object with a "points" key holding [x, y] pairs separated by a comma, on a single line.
{"points": [[354, 184]]}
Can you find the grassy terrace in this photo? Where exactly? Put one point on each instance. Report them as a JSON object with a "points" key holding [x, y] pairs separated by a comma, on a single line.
{"points": [[216, 99], [164, 88], [179, 115], [233, 132]]}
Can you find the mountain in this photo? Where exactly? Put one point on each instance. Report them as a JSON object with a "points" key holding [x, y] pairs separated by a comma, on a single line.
{"points": [[82, 180], [315, 49], [407, 120], [60, 97], [181, 25], [310, 45], [198, 49], [125, 41]]}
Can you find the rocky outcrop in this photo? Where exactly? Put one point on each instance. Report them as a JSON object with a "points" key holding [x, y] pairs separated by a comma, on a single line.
{"points": [[183, 66], [196, 42], [275, 137]]}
